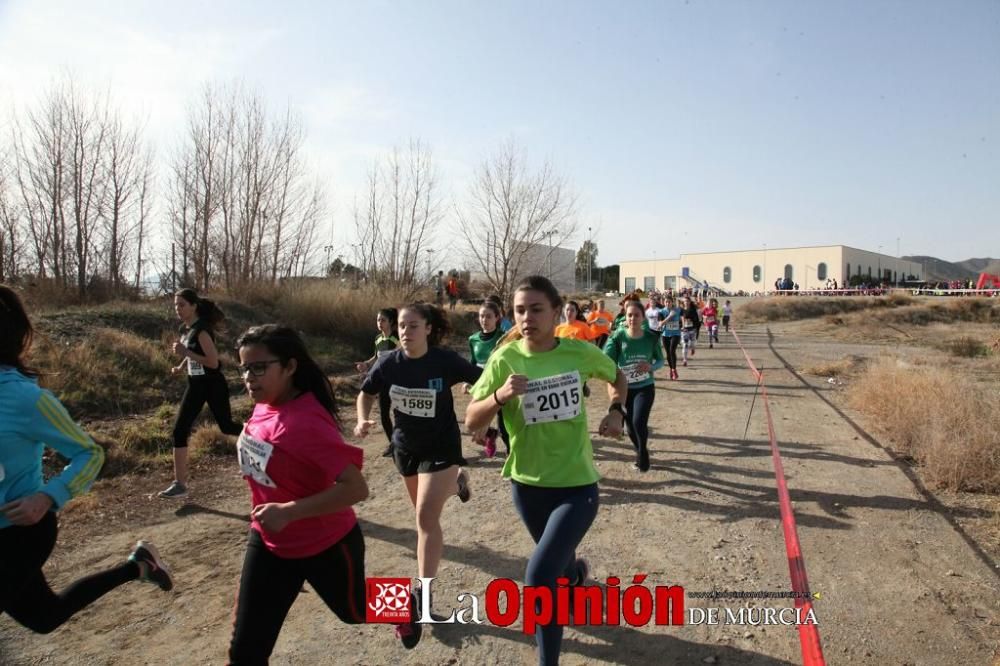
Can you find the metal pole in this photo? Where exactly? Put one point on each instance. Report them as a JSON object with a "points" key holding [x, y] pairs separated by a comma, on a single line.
{"points": [[590, 258]]}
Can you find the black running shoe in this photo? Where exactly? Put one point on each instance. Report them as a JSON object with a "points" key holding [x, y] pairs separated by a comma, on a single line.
{"points": [[154, 571], [388, 452]]}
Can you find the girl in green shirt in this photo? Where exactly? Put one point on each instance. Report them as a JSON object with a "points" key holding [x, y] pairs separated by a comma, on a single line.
{"points": [[638, 353], [481, 345], [537, 383], [386, 342]]}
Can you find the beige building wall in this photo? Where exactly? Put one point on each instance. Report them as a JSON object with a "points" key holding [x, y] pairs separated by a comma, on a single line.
{"points": [[756, 270]]}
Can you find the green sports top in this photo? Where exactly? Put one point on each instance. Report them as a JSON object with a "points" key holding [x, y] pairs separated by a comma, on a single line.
{"points": [[627, 352], [481, 345], [385, 344], [549, 438]]}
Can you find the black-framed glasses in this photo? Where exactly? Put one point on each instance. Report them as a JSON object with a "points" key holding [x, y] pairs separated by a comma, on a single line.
{"points": [[257, 368]]}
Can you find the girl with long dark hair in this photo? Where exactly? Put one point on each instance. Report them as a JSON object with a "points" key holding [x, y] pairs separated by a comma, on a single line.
{"points": [[200, 319], [303, 481], [32, 419]]}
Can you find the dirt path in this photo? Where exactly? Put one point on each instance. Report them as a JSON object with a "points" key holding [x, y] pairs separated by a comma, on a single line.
{"points": [[900, 584]]}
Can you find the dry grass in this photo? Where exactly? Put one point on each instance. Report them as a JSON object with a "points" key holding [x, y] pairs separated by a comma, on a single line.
{"points": [[109, 373], [332, 310], [791, 308], [967, 347], [947, 311], [328, 309], [940, 418], [839, 368]]}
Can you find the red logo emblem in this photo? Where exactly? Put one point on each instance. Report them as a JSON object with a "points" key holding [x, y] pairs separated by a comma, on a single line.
{"points": [[388, 600]]}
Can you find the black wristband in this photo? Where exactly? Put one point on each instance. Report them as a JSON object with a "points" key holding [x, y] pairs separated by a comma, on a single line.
{"points": [[497, 400], [616, 407]]}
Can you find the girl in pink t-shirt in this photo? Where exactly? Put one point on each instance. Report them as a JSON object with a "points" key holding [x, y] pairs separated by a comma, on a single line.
{"points": [[303, 481], [710, 315]]}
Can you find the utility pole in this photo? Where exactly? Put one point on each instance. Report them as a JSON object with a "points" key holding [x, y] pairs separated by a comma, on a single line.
{"points": [[590, 258], [763, 278]]}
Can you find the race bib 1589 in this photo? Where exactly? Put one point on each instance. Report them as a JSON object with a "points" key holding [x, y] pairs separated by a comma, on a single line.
{"points": [[418, 402], [556, 398]]}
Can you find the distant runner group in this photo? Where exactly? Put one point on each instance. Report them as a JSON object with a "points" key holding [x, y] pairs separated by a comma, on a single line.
{"points": [[527, 374]]}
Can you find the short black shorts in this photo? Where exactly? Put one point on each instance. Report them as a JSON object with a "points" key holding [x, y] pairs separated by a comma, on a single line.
{"points": [[411, 464]]}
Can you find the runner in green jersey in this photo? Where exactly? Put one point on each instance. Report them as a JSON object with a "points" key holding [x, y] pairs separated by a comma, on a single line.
{"points": [[639, 354], [386, 342], [481, 345], [537, 382]]}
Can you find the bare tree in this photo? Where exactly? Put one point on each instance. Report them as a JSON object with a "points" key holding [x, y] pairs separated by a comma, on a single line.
{"points": [[128, 197], [72, 171], [39, 146], [242, 206], [89, 122], [402, 207], [10, 227], [514, 218], [144, 199]]}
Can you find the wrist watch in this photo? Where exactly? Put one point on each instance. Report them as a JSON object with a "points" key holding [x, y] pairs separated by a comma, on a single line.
{"points": [[616, 407]]}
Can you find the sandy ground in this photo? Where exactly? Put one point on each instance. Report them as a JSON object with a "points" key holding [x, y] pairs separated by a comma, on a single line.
{"points": [[902, 581]]}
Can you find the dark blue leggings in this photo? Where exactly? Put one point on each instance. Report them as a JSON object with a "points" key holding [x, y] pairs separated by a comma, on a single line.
{"points": [[638, 405], [557, 519]]}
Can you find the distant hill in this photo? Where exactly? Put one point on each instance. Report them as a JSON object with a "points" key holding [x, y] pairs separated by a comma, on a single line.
{"points": [[939, 269], [984, 265]]}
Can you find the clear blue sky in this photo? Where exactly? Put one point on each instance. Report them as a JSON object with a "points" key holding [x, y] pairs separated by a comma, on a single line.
{"points": [[683, 126]]}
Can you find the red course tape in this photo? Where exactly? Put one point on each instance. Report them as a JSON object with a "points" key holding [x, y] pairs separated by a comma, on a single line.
{"points": [[812, 650]]}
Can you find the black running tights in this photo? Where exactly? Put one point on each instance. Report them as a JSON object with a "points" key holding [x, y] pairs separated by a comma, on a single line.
{"points": [[210, 388], [269, 585], [25, 595]]}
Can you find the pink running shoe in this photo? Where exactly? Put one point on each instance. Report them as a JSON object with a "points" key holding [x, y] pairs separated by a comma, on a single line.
{"points": [[491, 442]]}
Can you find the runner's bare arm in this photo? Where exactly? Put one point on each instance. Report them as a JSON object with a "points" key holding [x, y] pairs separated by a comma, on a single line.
{"points": [[364, 406], [618, 390], [349, 489], [613, 422], [479, 413]]}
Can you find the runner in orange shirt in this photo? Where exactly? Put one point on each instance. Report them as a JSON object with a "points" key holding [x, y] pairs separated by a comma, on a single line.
{"points": [[600, 323], [576, 326]]}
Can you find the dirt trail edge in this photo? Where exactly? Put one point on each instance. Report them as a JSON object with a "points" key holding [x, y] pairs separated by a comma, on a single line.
{"points": [[899, 582]]}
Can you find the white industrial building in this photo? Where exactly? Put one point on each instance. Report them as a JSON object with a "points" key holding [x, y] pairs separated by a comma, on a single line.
{"points": [[753, 271], [556, 263]]}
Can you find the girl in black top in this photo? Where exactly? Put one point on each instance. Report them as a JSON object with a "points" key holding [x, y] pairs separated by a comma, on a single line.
{"points": [[206, 383], [427, 444]]}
